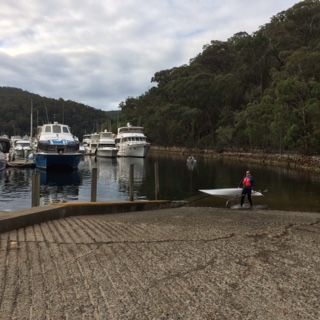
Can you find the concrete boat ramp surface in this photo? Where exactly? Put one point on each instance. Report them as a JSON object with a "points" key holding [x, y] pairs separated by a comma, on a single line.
{"points": [[172, 263]]}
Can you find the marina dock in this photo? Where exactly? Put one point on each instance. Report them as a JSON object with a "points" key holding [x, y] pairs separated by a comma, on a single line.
{"points": [[21, 164], [169, 263]]}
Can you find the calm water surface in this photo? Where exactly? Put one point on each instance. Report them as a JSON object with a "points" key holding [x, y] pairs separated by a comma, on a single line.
{"points": [[283, 189]]}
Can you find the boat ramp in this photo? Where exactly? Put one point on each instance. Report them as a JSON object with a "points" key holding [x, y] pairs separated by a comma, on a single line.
{"points": [[93, 261]]}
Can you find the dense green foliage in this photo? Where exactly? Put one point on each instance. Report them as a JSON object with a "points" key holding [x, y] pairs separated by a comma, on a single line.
{"points": [[15, 107], [251, 91]]}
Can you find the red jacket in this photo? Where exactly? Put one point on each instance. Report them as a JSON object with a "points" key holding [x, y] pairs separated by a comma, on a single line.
{"points": [[247, 183]]}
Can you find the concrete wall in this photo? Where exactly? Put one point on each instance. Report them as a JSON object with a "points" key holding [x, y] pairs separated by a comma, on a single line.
{"points": [[24, 218]]}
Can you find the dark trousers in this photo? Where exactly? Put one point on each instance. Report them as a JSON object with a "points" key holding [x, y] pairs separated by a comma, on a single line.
{"points": [[246, 191]]}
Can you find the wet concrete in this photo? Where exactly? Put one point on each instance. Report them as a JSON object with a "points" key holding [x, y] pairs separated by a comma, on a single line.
{"points": [[182, 263]]}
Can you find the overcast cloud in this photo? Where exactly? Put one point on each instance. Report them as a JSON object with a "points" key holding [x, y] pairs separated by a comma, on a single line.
{"points": [[99, 52]]}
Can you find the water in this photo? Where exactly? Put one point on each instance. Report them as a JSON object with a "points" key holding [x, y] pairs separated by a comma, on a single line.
{"points": [[283, 189]]}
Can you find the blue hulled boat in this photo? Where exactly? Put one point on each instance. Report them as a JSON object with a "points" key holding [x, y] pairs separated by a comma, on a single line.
{"points": [[56, 147]]}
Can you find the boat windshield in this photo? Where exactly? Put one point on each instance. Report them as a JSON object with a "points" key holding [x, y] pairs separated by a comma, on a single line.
{"points": [[106, 135], [23, 144], [130, 130], [105, 145], [56, 128]]}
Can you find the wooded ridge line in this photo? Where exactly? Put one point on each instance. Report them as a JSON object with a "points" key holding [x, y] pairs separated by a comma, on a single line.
{"points": [[258, 91]]}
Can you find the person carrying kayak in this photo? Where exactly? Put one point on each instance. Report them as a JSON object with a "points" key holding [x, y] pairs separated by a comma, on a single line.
{"points": [[247, 185]]}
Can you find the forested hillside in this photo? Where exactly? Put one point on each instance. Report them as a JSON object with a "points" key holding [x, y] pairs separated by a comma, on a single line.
{"points": [[15, 106], [251, 91]]}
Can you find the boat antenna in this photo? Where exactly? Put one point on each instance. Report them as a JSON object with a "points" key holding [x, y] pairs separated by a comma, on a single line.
{"points": [[31, 120], [62, 112], [46, 113]]}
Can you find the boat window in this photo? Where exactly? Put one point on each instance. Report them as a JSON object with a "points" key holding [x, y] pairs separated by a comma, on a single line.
{"points": [[106, 135], [48, 129], [65, 129], [104, 145], [56, 129]]}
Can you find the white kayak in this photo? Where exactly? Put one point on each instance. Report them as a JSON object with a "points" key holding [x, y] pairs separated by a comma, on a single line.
{"points": [[228, 192]]}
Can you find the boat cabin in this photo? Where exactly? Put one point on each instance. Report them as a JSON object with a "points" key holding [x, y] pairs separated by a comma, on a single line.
{"points": [[53, 128]]}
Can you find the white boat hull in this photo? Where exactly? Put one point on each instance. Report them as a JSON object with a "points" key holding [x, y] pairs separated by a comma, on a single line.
{"points": [[229, 193], [107, 152], [4, 148], [2, 161], [133, 150]]}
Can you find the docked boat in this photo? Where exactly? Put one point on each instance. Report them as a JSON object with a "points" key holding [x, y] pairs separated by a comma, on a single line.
{"points": [[4, 148], [93, 144], [132, 142], [86, 139], [21, 148], [106, 146], [56, 147]]}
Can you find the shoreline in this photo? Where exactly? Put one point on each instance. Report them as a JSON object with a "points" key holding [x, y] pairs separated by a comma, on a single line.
{"points": [[289, 161]]}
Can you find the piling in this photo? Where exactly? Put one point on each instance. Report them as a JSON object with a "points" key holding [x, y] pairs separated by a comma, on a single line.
{"points": [[156, 180], [94, 180], [35, 197], [131, 182]]}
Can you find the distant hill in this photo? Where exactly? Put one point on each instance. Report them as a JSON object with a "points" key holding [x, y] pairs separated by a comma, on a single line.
{"points": [[253, 91], [15, 106]]}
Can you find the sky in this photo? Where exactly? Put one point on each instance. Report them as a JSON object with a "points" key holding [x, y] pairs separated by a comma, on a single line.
{"points": [[100, 52]]}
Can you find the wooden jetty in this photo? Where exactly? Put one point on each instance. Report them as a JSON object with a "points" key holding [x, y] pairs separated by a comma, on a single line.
{"points": [[20, 164]]}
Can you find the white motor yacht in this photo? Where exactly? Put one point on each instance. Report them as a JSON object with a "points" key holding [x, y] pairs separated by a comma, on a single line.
{"points": [[106, 146], [21, 148], [4, 148], [131, 142], [86, 143], [93, 145]]}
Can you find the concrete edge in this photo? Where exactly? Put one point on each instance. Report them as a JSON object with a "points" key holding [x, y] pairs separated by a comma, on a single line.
{"points": [[24, 218]]}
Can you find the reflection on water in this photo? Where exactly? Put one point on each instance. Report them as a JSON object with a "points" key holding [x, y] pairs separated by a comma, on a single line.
{"points": [[56, 186], [139, 173], [15, 188], [283, 189], [56, 178]]}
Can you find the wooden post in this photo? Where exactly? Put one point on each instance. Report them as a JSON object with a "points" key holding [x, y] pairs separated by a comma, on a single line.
{"points": [[156, 180], [94, 180], [131, 182], [35, 196]]}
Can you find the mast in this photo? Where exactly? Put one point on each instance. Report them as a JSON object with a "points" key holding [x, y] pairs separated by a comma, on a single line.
{"points": [[31, 120]]}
